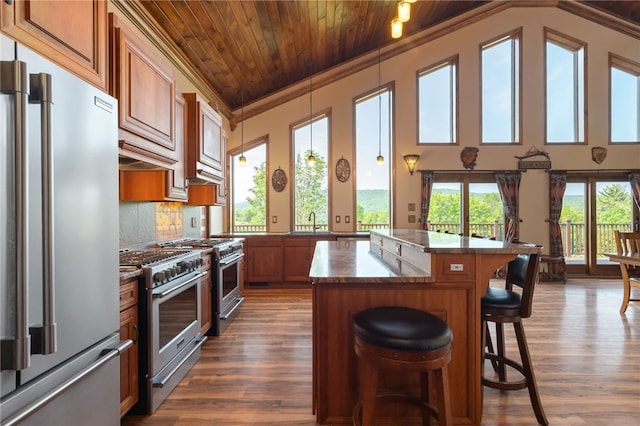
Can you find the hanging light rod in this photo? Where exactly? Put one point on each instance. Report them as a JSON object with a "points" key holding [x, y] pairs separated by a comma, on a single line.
{"points": [[242, 159]]}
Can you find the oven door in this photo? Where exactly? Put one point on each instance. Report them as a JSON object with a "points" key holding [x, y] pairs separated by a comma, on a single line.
{"points": [[229, 288], [173, 318]]}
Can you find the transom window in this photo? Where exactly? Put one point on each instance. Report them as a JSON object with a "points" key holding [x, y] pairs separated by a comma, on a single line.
{"points": [[500, 89], [565, 88], [625, 100], [438, 102]]}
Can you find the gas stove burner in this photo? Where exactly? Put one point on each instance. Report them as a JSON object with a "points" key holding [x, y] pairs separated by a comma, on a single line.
{"points": [[197, 243], [143, 258]]}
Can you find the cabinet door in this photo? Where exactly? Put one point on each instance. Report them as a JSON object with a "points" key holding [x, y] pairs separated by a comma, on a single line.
{"points": [[205, 144], [205, 303], [221, 196], [176, 177], [296, 253], [145, 88], [264, 264], [71, 33], [129, 360]]}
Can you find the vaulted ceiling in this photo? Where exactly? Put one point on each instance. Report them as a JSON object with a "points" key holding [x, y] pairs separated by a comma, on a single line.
{"points": [[247, 50]]}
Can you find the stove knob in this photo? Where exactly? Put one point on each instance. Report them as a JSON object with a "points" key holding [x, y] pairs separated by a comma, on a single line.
{"points": [[159, 276], [173, 271]]}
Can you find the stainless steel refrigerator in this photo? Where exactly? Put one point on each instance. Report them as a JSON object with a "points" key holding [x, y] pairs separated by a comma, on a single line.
{"points": [[59, 296]]}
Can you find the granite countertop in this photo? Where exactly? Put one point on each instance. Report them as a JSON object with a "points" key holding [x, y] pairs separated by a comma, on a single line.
{"points": [[351, 262], [439, 242], [128, 273]]}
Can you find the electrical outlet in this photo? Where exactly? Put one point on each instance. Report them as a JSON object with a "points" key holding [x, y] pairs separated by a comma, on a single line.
{"points": [[274, 219], [337, 219], [347, 219], [458, 267], [193, 222]]}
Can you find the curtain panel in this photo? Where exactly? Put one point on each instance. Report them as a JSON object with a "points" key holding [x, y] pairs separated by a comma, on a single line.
{"points": [[509, 188], [557, 269], [427, 187]]}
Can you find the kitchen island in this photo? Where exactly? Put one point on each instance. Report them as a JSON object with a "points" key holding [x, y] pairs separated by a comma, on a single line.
{"points": [[444, 274]]}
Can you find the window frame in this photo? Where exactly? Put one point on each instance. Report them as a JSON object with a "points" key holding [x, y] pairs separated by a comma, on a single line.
{"points": [[453, 62], [247, 146], [631, 67], [326, 113], [389, 160], [516, 80], [570, 43]]}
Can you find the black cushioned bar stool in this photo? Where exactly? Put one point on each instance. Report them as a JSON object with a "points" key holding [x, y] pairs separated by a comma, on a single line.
{"points": [[405, 339]]}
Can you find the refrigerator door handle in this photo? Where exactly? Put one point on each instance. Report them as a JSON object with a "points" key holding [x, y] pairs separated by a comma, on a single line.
{"points": [[44, 336], [105, 356], [14, 351]]}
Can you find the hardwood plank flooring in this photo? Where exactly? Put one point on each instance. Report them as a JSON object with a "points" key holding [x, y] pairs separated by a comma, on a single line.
{"points": [[586, 358]]}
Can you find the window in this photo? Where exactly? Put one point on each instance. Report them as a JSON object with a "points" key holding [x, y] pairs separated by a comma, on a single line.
{"points": [[625, 100], [565, 89], [373, 181], [249, 190], [310, 181], [467, 205], [500, 89], [437, 103]]}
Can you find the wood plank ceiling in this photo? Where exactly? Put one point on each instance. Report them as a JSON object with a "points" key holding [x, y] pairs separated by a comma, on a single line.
{"points": [[247, 50]]}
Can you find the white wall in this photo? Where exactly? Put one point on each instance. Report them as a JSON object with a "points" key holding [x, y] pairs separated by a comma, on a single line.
{"points": [[401, 69]]}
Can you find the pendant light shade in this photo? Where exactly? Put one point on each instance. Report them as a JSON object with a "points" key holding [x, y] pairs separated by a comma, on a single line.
{"points": [[396, 28], [404, 11]]}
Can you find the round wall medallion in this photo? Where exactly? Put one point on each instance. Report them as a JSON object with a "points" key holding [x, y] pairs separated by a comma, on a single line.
{"points": [[343, 170], [279, 180]]}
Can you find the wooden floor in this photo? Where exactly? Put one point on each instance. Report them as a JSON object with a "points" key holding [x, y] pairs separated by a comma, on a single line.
{"points": [[586, 358]]}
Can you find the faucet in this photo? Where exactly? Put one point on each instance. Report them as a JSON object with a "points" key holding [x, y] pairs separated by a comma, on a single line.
{"points": [[314, 220]]}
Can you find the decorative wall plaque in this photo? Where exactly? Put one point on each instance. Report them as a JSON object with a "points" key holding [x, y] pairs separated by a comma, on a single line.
{"points": [[598, 154], [279, 180], [524, 164], [343, 170], [469, 155]]}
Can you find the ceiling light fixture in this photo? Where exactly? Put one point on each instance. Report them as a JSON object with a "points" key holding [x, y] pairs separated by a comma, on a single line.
{"points": [[380, 159], [396, 28], [404, 11], [242, 159], [411, 160]]}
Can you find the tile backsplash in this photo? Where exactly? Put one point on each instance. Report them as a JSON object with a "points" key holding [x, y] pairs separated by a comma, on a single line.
{"points": [[142, 223]]}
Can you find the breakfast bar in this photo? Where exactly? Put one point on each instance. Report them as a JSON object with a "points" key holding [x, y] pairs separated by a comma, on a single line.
{"points": [[444, 274]]}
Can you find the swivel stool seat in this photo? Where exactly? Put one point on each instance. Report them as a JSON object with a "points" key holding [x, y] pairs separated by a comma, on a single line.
{"points": [[504, 305], [402, 339]]}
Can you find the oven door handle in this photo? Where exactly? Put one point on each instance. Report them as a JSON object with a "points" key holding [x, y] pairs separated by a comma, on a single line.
{"points": [[178, 287], [231, 259]]}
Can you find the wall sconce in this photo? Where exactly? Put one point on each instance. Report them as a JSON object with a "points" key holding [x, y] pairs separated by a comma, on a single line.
{"points": [[411, 160]]}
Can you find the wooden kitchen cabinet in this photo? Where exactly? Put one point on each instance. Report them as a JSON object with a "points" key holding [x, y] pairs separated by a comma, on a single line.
{"points": [[72, 34], [129, 330], [264, 259], [145, 88], [159, 185], [298, 252], [205, 144], [206, 289]]}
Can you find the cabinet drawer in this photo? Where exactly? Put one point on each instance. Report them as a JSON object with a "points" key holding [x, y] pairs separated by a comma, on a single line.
{"points": [[128, 294], [455, 267], [264, 242], [296, 242]]}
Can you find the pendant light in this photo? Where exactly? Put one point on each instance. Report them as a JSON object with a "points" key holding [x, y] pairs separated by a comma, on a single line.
{"points": [[311, 159], [404, 11], [396, 28], [380, 159], [242, 159]]}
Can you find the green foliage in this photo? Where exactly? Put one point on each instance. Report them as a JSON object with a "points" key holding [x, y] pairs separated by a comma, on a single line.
{"points": [[254, 211], [311, 189], [614, 205]]}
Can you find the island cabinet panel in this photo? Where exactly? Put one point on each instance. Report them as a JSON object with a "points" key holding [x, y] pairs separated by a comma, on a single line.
{"points": [[335, 369], [145, 88], [264, 258], [205, 143], [72, 34]]}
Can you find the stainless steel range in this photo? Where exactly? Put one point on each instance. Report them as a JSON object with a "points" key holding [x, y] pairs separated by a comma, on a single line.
{"points": [[169, 327], [227, 277]]}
